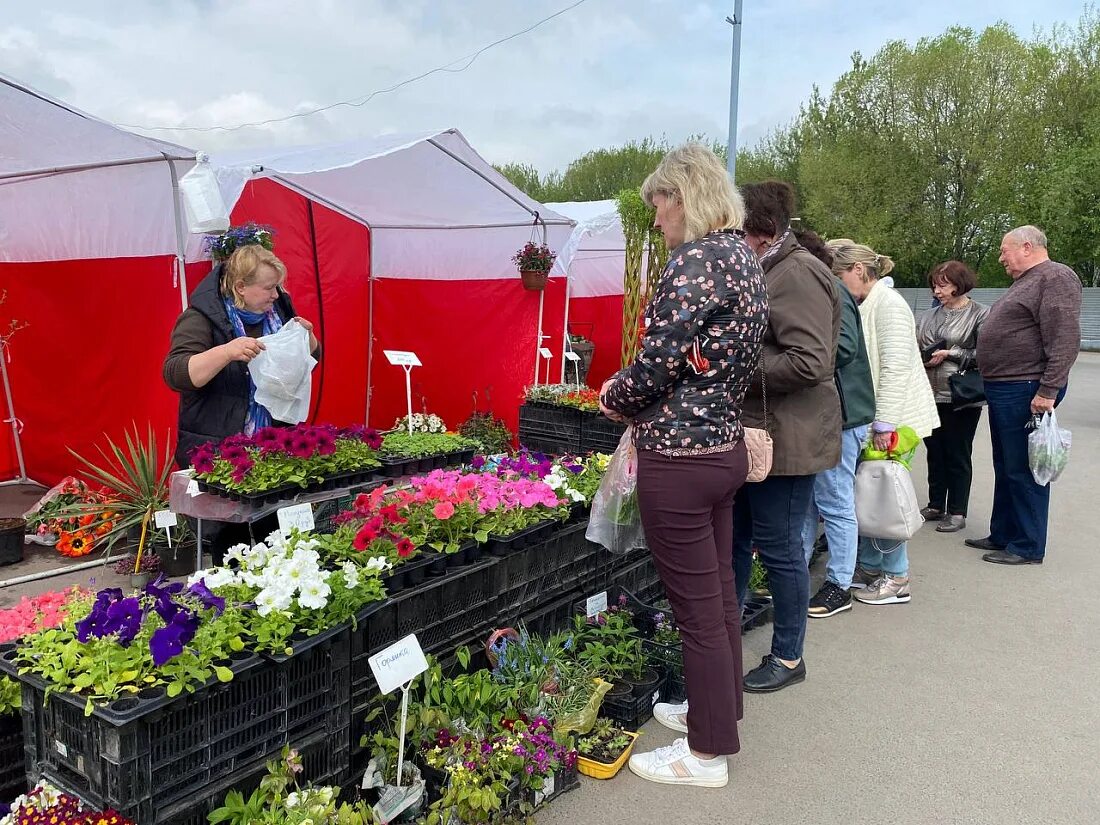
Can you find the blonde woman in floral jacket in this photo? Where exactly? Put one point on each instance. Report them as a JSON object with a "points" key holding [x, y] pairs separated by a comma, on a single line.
{"points": [[683, 393], [903, 396]]}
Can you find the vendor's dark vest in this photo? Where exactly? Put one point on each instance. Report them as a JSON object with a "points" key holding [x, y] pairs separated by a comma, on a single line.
{"points": [[219, 409]]}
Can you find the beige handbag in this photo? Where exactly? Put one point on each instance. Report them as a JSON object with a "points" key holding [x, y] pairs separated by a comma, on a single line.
{"points": [[758, 442]]}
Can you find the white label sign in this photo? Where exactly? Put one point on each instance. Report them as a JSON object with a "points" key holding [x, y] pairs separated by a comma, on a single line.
{"points": [[400, 358], [300, 516], [193, 488], [61, 749], [572, 356], [545, 353], [399, 663], [596, 604], [164, 519]]}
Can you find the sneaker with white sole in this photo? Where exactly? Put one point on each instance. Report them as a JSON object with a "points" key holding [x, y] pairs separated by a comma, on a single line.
{"points": [[829, 600], [673, 717], [862, 577], [886, 590], [676, 765]]}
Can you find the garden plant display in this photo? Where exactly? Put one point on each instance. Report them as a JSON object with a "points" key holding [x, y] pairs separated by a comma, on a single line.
{"points": [[46, 805], [602, 752], [491, 433], [73, 516], [421, 423], [291, 592], [421, 444], [277, 457], [34, 613]]}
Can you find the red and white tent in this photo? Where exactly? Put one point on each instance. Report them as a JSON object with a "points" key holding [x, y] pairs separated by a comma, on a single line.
{"points": [[395, 243]]}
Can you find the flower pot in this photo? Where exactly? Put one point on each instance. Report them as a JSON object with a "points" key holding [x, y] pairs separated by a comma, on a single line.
{"points": [[12, 531], [619, 690], [603, 770], [177, 560], [139, 580], [645, 684], [533, 280]]}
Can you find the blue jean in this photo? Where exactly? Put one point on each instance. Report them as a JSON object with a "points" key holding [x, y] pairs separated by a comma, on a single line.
{"points": [[769, 515], [834, 499], [1020, 506], [884, 555]]}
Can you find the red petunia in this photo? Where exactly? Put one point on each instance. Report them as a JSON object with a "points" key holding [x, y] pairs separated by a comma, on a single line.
{"points": [[443, 511], [405, 548]]}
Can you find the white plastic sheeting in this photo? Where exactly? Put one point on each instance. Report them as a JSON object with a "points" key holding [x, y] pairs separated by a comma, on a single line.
{"points": [[593, 257], [437, 210], [73, 186]]}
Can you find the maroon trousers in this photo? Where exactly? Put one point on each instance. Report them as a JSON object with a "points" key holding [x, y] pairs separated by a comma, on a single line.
{"points": [[687, 511]]}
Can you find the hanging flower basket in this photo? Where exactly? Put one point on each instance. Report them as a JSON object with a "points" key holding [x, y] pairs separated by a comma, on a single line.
{"points": [[533, 279], [534, 262]]}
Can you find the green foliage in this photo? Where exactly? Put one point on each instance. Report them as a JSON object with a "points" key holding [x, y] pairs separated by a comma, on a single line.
{"points": [[609, 646], [274, 470], [758, 575], [489, 432], [11, 696], [419, 445]]}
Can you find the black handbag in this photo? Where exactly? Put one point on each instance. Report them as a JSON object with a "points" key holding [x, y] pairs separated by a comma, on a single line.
{"points": [[967, 388]]}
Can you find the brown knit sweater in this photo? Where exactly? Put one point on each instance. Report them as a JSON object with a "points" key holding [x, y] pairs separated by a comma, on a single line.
{"points": [[1033, 333], [192, 335]]}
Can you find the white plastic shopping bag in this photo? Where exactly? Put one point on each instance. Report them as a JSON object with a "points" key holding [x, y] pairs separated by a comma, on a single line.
{"points": [[281, 373], [1048, 449], [616, 521]]}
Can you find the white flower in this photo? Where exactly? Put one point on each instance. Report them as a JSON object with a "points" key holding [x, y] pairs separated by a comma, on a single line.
{"points": [[351, 575], [214, 577], [275, 541], [273, 599], [554, 481], [237, 553], [378, 563], [575, 495], [314, 595], [292, 800]]}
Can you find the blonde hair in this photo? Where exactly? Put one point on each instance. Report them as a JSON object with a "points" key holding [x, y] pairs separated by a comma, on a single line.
{"points": [[847, 253], [242, 266], [695, 176]]}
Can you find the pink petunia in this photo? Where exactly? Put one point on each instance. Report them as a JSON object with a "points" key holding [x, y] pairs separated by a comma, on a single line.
{"points": [[443, 511]]}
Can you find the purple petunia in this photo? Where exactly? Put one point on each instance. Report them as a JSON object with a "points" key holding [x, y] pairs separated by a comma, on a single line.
{"points": [[207, 597], [169, 641]]}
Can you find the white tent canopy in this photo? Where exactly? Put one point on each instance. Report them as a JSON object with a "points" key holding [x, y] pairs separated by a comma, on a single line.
{"points": [[75, 187], [593, 256], [437, 210]]}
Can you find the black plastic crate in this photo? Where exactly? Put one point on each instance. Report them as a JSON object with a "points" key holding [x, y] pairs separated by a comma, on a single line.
{"points": [[442, 612], [563, 781], [550, 428], [640, 578], [757, 611], [632, 712], [551, 618], [600, 434], [530, 577], [13, 768]]}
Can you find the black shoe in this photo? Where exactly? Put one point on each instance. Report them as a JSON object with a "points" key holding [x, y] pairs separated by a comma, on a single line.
{"points": [[829, 601], [773, 675], [1003, 557], [983, 544]]}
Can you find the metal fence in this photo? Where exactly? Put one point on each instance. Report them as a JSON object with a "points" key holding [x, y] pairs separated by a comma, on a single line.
{"points": [[921, 299]]}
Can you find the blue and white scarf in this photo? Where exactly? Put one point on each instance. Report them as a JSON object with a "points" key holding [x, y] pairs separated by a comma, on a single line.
{"points": [[258, 415]]}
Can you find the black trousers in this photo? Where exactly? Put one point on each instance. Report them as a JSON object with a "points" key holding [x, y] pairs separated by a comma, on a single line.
{"points": [[950, 464]]}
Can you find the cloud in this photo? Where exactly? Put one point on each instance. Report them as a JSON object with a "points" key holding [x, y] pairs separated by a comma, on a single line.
{"points": [[603, 73]]}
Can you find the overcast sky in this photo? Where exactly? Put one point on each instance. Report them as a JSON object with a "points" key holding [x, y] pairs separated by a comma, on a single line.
{"points": [[603, 73]]}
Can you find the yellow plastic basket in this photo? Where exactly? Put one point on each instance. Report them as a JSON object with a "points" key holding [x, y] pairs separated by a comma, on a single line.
{"points": [[601, 770]]}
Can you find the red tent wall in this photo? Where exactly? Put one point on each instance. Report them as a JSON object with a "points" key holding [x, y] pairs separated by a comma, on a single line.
{"points": [[601, 320], [471, 336]]}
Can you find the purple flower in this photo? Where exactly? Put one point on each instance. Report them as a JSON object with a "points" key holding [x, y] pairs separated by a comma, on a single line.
{"points": [[168, 642], [530, 769], [478, 462], [207, 597], [94, 624], [124, 618]]}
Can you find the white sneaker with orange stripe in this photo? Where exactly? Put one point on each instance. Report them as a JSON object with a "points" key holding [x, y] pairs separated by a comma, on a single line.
{"points": [[676, 765]]}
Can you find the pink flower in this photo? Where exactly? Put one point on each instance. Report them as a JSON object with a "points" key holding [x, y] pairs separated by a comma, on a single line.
{"points": [[443, 511]]}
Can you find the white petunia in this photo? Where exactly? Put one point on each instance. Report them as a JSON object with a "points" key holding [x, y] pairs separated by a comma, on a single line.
{"points": [[351, 575], [237, 553], [314, 595], [270, 600], [220, 577], [379, 563], [576, 496], [292, 801], [554, 481]]}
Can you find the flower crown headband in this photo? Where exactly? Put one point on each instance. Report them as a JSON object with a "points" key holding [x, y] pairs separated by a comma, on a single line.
{"points": [[220, 247]]}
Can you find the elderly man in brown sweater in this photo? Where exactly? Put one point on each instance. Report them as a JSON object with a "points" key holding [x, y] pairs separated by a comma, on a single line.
{"points": [[1026, 348]]}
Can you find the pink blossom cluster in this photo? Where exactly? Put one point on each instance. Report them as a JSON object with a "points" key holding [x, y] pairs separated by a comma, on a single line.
{"points": [[33, 614], [489, 491]]}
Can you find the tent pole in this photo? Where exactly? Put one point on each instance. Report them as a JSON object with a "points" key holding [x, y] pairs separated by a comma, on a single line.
{"points": [[16, 426], [370, 321], [538, 336], [565, 344], [181, 244]]}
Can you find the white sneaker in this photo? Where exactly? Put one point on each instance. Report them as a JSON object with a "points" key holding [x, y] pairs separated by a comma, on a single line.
{"points": [[673, 717], [675, 765]]}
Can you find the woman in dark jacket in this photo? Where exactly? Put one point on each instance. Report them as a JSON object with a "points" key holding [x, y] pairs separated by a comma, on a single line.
{"points": [[683, 393], [795, 398]]}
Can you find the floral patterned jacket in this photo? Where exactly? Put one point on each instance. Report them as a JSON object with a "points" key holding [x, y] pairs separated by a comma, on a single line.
{"points": [[712, 290]]}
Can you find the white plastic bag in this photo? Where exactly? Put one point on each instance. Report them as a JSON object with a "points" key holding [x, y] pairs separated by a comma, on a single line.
{"points": [[281, 373], [1048, 449], [202, 199], [616, 521]]}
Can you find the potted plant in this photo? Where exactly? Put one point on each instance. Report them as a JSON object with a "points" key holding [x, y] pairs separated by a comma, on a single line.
{"points": [[140, 569], [12, 531], [534, 262], [604, 750]]}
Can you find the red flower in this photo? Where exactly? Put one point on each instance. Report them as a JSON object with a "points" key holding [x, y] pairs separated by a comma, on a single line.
{"points": [[443, 511], [405, 548], [368, 533], [391, 514]]}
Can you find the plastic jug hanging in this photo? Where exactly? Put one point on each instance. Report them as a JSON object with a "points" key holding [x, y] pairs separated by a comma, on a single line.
{"points": [[202, 199]]}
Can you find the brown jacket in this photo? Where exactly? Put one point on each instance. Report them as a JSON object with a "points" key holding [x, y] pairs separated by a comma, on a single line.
{"points": [[804, 415]]}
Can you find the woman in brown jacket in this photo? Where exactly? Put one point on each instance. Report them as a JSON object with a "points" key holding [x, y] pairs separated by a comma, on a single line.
{"points": [[797, 402]]}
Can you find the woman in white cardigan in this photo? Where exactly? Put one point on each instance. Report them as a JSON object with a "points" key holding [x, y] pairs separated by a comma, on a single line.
{"points": [[903, 396]]}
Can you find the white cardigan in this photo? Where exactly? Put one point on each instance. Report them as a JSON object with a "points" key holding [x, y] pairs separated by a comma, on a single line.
{"points": [[903, 395]]}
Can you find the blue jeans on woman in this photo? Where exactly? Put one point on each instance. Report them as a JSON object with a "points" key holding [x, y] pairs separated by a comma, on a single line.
{"points": [[769, 516], [834, 499], [889, 557]]}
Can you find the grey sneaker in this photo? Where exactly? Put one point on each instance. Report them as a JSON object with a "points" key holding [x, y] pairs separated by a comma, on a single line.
{"points": [[951, 524], [864, 578], [886, 590]]}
